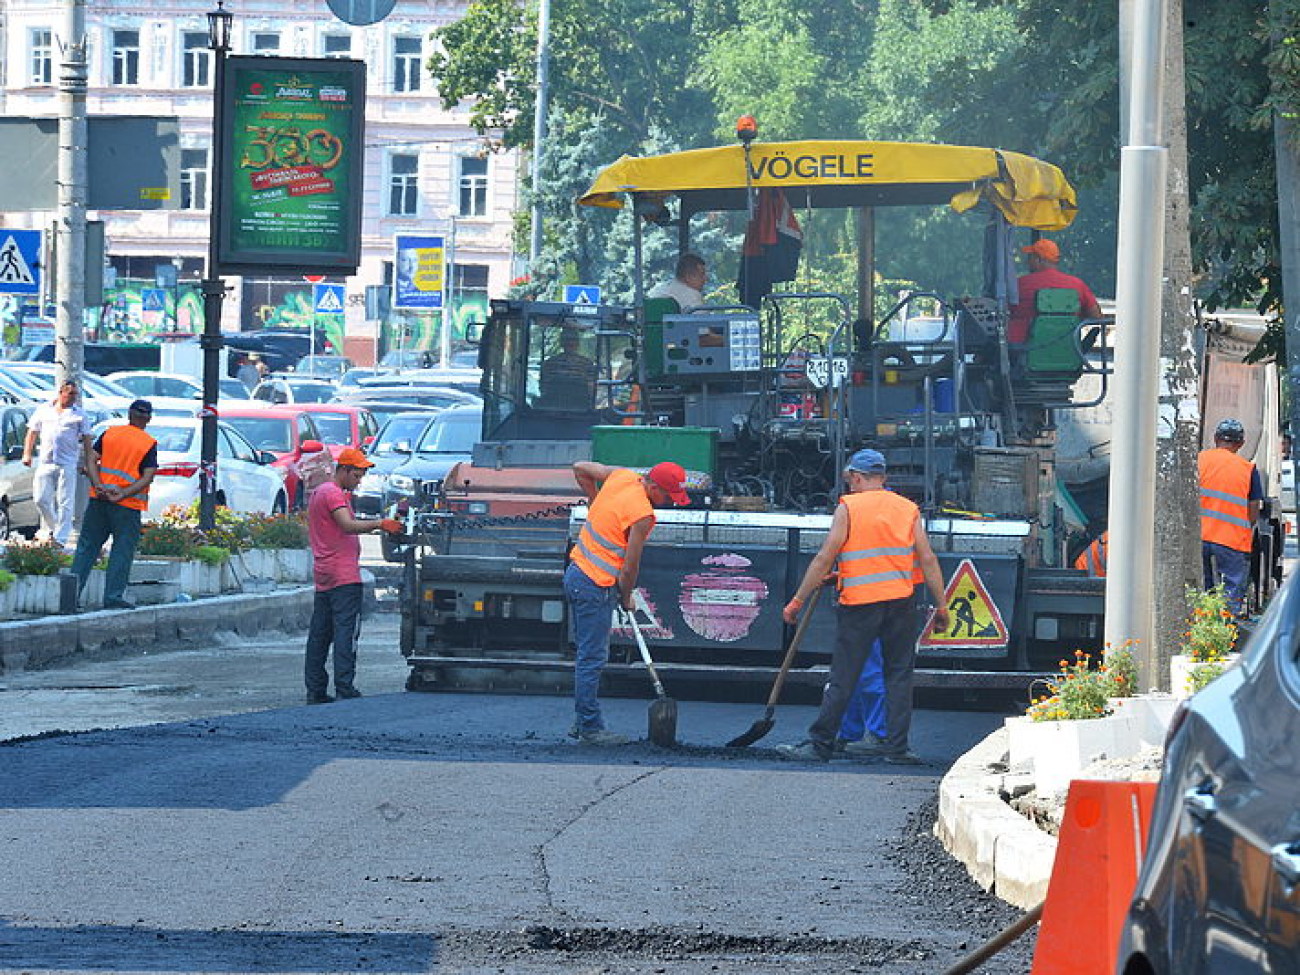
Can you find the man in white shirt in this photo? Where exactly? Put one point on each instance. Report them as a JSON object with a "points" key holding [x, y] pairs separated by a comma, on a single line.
{"points": [[687, 288], [64, 436]]}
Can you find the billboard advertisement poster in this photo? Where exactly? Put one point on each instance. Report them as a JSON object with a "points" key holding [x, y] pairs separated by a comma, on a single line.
{"points": [[421, 272], [290, 165]]}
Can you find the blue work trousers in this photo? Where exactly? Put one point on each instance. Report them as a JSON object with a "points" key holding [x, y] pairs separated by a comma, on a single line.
{"points": [[1232, 568], [866, 710], [592, 607], [102, 520], [335, 620]]}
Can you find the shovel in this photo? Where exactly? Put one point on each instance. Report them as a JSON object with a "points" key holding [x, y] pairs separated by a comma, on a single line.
{"points": [[764, 724], [663, 710]]}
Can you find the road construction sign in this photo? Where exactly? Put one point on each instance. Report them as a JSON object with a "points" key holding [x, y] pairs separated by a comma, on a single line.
{"points": [[973, 617], [20, 252]]}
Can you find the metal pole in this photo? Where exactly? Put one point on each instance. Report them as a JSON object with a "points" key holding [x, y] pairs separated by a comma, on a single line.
{"points": [[539, 124], [1140, 261], [71, 251], [1288, 211], [214, 290], [449, 300]]}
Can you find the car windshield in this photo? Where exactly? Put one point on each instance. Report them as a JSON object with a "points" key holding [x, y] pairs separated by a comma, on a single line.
{"points": [[265, 432], [312, 392], [234, 389], [335, 428], [400, 428], [353, 377], [172, 440], [451, 434]]}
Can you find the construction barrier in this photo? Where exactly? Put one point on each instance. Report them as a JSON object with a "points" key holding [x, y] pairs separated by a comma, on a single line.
{"points": [[1098, 855]]}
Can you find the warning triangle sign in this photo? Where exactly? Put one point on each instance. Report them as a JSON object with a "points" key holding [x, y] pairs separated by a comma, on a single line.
{"points": [[13, 266], [973, 616], [329, 302]]}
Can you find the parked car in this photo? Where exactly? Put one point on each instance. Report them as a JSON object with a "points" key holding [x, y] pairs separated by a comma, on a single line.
{"points": [[1219, 887], [435, 397], [247, 480], [392, 446], [340, 424], [280, 349], [353, 377], [150, 384], [445, 442], [106, 357], [17, 504], [282, 432], [385, 410], [234, 389], [330, 367], [294, 389], [466, 380], [407, 359]]}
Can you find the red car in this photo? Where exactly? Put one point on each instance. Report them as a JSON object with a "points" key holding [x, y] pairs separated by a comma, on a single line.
{"points": [[339, 424], [284, 431]]}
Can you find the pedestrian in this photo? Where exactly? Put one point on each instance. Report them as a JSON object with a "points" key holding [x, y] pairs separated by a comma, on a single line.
{"points": [[602, 571], [336, 552], [121, 464], [64, 441], [879, 541], [248, 373], [1231, 496]]}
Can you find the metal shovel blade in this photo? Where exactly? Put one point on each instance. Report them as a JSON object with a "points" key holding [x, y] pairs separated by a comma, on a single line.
{"points": [[756, 731], [663, 722]]}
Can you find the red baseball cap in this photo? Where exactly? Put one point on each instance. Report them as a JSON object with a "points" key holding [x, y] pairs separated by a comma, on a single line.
{"points": [[672, 479], [351, 457]]}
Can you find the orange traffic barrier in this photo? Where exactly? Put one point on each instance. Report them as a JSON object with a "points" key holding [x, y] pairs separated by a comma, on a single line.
{"points": [[1098, 853]]}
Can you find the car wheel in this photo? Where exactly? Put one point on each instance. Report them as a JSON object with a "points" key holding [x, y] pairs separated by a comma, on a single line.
{"points": [[5, 526], [280, 506]]}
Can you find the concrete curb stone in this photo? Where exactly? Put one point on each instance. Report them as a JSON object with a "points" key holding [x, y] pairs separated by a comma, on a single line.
{"points": [[1003, 851], [39, 643]]}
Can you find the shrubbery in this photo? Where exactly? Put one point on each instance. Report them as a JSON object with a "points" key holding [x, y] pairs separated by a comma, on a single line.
{"points": [[44, 558]]}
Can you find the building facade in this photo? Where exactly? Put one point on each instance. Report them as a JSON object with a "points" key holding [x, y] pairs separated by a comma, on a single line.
{"points": [[426, 171]]}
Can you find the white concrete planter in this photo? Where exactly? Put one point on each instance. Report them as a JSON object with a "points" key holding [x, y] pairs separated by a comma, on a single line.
{"points": [[1180, 672], [260, 567]]}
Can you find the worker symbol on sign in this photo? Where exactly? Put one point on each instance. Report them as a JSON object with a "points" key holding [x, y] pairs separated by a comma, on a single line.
{"points": [[975, 620]]}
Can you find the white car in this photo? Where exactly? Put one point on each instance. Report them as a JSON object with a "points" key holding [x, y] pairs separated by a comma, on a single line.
{"points": [[246, 481], [294, 389], [151, 384]]}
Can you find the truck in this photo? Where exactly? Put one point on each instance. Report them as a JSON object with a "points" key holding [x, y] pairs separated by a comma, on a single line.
{"points": [[762, 402]]}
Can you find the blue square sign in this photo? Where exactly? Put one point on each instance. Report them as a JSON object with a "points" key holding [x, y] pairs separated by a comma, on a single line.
{"points": [[328, 299], [20, 262], [582, 294]]}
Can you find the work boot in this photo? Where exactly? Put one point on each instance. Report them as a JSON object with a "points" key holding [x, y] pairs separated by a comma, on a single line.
{"points": [[807, 751], [599, 736], [905, 757], [346, 693], [319, 698], [870, 746]]}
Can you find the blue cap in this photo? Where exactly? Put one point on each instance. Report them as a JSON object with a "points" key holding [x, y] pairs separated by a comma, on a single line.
{"points": [[867, 462]]}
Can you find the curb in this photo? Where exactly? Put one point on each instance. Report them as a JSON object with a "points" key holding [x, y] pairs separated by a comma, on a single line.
{"points": [[1003, 852], [52, 640]]}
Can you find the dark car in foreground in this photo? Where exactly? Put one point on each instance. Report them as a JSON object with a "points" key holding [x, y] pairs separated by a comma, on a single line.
{"points": [[1219, 889], [446, 441], [391, 448]]}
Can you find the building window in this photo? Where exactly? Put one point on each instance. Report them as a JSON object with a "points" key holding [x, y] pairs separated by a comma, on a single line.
{"points": [[196, 63], [42, 41], [336, 46], [403, 184], [473, 184], [470, 280], [406, 64], [194, 179], [126, 57], [266, 42]]}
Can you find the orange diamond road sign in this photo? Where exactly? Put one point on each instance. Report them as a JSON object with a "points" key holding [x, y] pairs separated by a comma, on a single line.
{"points": [[973, 617]]}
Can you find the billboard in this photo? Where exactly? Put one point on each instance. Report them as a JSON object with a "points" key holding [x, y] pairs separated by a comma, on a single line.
{"points": [[292, 134], [421, 272]]}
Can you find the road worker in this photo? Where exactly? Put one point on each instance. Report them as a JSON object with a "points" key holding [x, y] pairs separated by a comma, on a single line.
{"points": [[1092, 559], [603, 568], [1231, 496], [879, 541]]}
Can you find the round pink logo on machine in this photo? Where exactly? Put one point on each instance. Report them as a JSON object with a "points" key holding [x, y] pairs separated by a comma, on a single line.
{"points": [[722, 603]]}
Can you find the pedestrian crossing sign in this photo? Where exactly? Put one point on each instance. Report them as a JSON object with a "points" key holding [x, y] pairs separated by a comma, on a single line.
{"points": [[973, 617], [20, 271], [327, 299]]}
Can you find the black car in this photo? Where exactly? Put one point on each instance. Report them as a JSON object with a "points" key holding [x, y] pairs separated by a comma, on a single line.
{"points": [[446, 441], [105, 357], [392, 447], [1219, 889], [280, 349]]}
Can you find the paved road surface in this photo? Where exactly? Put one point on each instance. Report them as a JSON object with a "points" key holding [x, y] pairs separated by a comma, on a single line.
{"points": [[450, 833]]}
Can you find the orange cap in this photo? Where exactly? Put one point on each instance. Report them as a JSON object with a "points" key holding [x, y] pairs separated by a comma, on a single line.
{"points": [[351, 457], [1044, 248]]}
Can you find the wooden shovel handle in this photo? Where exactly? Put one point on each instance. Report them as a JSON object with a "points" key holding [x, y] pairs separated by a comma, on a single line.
{"points": [[793, 649]]}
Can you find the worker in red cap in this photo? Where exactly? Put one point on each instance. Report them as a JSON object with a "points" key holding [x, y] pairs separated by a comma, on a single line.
{"points": [[602, 571], [1043, 257]]}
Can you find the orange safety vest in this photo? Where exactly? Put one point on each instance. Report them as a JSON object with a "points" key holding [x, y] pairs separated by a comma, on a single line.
{"points": [[1225, 498], [878, 561], [121, 451], [1092, 559], [601, 548]]}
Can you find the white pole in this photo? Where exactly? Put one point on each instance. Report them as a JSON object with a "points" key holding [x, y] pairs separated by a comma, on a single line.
{"points": [[1140, 259], [539, 123], [71, 250]]}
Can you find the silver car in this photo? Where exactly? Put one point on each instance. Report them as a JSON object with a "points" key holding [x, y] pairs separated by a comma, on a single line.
{"points": [[1219, 890], [17, 504]]}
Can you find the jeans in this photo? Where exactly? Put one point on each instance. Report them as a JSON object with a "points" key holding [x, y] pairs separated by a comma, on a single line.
{"points": [[857, 628], [1233, 567], [54, 489], [592, 607], [101, 520], [335, 619], [866, 710]]}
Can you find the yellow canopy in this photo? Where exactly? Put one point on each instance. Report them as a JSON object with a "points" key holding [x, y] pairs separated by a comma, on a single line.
{"points": [[1028, 192]]}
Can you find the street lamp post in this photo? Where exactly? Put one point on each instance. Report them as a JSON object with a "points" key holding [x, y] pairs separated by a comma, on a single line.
{"points": [[214, 286], [178, 263]]}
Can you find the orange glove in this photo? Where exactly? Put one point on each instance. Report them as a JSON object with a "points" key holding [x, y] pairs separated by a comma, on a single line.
{"points": [[791, 612], [392, 526]]}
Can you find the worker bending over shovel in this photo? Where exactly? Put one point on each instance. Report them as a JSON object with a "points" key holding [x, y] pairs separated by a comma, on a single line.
{"points": [[602, 571], [879, 541]]}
